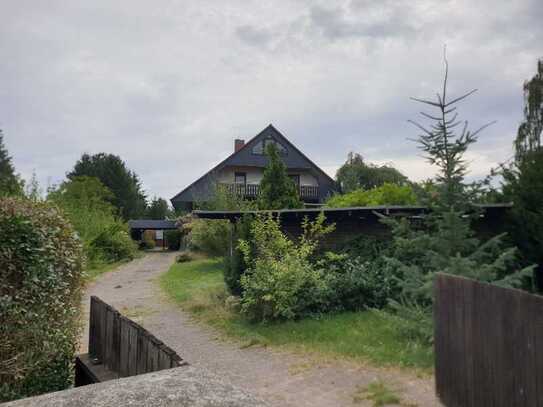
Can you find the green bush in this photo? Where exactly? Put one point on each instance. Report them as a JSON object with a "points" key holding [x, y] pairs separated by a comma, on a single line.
{"points": [[210, 236], [236, 263], [386, 194], [115, 243], [85, 202], [41, 267], [173, 237], [366, 247], [286, 289], [358, 283], [281, 282]]}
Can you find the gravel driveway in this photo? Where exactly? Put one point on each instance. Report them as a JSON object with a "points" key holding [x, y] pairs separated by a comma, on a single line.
{"points": [[281, 378]]}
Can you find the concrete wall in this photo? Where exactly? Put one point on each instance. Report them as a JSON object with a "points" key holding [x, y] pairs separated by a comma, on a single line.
{"points": [[182, 386]]}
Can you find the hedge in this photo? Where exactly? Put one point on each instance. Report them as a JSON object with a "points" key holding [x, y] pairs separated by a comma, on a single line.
{"points": [[41, 270]]}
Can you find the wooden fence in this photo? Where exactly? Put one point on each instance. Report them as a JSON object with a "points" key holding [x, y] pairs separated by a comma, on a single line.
{"points": [[488, 344], [123, 347]]}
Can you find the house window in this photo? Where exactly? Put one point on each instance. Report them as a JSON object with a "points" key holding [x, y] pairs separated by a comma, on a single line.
{"points": [[260, 147], [240, 178]]}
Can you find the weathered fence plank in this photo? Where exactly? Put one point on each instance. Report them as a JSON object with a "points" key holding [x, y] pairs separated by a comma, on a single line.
{"points": [[486, 341], [123, 347]]}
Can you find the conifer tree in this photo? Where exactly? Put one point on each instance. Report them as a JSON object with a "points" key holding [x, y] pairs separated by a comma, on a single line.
{"points": [[277, 190], [10, 183], [446, 242]]}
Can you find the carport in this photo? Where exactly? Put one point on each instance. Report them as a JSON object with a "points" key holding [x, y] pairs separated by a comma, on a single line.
{"points": [[138, 226]]}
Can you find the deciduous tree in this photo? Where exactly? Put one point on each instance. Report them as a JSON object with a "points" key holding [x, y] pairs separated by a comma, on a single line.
{"points": [[125, 185], [355, 173]]}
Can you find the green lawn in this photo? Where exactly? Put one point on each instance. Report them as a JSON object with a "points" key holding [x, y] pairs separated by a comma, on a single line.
{"points": [[198, 287]]}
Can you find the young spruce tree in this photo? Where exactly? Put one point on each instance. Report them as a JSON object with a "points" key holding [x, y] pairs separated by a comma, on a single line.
{"points": [[446, 241], [277, 190]]}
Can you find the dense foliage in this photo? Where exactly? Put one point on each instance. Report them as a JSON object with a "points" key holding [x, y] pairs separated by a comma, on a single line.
{"points": [[173, 238], [523, 185], [210, 236], [277, 190], [529, 132], [279, 278], [128, 196], [10, 182], [236, 262], [386, 194], [86, 203], [158, 208], [281, 282], [355, 174], [40, 287], [213, 236], [445, 240]]}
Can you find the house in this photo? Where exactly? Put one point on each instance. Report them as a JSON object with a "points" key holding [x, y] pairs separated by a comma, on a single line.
{"points": [[242, 172]]}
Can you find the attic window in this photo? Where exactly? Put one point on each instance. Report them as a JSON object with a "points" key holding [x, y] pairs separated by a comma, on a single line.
{"points": [[260, 147]]}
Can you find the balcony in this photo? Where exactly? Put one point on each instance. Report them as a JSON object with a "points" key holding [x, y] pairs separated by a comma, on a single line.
{"points": [[306, 192]]}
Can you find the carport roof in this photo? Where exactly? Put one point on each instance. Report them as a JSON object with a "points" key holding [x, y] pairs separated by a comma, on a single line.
{"points": [[152, 224]]}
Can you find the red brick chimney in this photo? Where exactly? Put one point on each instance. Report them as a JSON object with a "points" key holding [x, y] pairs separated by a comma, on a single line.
{"points": [[238, 144]]}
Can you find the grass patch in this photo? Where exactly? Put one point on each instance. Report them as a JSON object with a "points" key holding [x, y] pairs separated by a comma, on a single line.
{"points": [[378, 393], [198, 287], [100, 268]]}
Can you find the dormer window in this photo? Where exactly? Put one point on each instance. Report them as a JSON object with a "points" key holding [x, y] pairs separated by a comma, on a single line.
{"points": [[260, 147]]}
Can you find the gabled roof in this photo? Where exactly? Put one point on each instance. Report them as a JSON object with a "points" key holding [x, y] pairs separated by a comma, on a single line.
{"points": [[270, 130]]}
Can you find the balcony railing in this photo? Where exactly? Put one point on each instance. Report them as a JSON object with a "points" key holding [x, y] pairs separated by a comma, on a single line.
{"points": [[252, 190]]}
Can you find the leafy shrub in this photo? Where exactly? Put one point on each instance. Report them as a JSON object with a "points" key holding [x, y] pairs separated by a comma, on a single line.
{"points": [[386, 194], [85, 201], [173, 237], [115, 243], [236, 263], [366, 247], [41, 263], [281, 282], [358, 283], [286, 289], [210, 236]]}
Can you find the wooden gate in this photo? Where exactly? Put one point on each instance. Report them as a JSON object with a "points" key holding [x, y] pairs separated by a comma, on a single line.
{"points": [[488, 344], [119, 347]]}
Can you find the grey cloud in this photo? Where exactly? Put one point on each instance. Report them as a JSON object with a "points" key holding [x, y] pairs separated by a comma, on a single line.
{"points": [[168, 88], [258, 37], [339, 23]]}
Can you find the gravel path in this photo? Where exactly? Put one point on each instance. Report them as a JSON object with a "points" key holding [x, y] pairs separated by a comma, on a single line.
{"points": [[281, 378]]}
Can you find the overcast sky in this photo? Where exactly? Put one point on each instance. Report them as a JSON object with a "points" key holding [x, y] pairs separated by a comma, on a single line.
{"points": [[168, 85]]}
